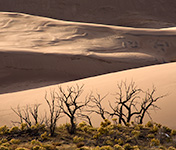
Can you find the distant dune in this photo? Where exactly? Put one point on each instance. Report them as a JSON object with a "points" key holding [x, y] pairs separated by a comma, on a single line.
{"points": [[96, 43], [133, 13], [37, 51]]}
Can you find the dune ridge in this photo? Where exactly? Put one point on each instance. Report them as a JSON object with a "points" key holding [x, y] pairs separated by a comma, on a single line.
{"points": [[37, 51]]}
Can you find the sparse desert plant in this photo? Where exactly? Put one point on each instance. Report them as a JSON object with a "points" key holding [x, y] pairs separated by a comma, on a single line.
{"points": [[120, 141], [4, 130], [15, 141], [37, 147], [44, 136], [77, 139], [149, 124], [173, 132], [155, 142], [150, 135], [14, 129], [171, 148], [118, 147], [106, 147], [21, 148], [35, 142], [127, 146], [3, 147]]}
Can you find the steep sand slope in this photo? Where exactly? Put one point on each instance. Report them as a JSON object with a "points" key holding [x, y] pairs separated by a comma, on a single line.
{"points": [[37, 51], [135, 13], [162, 76]]}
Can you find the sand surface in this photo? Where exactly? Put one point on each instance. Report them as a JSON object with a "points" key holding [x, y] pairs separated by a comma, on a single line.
{"points": [[37, 52]]}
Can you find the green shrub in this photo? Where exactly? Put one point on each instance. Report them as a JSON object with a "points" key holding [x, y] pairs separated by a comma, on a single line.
{"points": [[15, 141], [149, 124], [6, 144], [173, 132], [14, 129], [120, 141], [150, 135], [44, 136], [77, 139], [171, 148], [3, 148], [106, 147], [23, 126], [4, 130], [37, 147], [127, 146], [154, 129], [35, 142], [135, 133], [118, 147], [21, 148], [155, 142]]}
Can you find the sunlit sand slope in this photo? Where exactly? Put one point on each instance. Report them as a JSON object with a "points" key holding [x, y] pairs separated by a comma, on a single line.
{"points": [[163, 77], [37, 51]]}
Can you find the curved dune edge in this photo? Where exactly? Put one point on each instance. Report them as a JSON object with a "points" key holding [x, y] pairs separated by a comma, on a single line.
{"points": [[37, 51], [162, 76]]}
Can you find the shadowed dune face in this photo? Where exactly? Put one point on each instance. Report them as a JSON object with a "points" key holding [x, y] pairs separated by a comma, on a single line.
{"points": [[58, 51], [134, 13], [36, 51]]}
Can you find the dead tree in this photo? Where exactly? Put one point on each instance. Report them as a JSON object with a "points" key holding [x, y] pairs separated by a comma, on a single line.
{"points": [[69, 104], [148, 103], [97, 106], [129, 103], [27, 114], [54, 111]]}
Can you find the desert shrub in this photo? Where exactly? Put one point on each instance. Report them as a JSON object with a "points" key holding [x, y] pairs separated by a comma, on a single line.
{"points": [[84, 148], [127, 146], [80, 144], [14, 129], [6, 144], [136, 147], [106, 147], [171, 148], [4, 148], [150, 135], [15, 141], [21, 148], [37, 147], [105, 123], [77, 139], [4, 130], [48, 146], [35, 142], [154, 129], [109, 142], [23, 126], [173, 132], [120, 141], [166, 129], [4, 140], [135, 133], [118, 147], [155, 142], [149, 124], [44, 136]]}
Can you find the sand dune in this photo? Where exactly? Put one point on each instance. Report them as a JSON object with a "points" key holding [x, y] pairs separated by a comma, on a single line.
{"points": [[134, 13], [37, 51], [162, 76]]}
